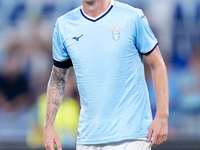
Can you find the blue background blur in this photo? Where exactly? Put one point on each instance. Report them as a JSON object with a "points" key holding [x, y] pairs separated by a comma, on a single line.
{"points": [[26, 28]]}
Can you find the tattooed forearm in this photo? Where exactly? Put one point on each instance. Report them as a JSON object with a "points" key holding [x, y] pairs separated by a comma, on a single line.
{"points": [[47, 116], [56, 102], [55, 92], [47, 119], [58, 77], [53, 115]]}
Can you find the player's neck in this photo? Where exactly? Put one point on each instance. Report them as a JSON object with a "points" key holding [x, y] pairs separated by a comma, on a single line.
{"points": [[95, 8]]}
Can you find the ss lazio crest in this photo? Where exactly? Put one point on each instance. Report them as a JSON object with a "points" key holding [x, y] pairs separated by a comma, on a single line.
{"points": [[116, 33]]}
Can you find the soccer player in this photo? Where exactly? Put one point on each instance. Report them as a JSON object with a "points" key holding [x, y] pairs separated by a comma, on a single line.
{"points": [[106, 42]]}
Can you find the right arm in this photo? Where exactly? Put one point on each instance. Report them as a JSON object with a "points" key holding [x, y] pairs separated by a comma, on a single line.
{"points": [[55, 93]]}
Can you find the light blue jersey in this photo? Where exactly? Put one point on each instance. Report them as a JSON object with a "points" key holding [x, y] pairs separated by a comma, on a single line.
{"points": [[106, 53]]}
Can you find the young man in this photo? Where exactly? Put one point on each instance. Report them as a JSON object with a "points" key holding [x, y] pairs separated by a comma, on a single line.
{"points": [[106, 42]]}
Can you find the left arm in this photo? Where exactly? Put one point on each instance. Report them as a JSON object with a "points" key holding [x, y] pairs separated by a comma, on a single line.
{"points": [[159, 126]]}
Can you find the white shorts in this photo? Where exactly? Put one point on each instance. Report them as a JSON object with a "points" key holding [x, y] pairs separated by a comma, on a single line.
{"points": [[122, 145]]}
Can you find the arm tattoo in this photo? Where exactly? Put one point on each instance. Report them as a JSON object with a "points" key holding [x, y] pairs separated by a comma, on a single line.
{"points": [[47, 118], [53, 115], [55, 94], [56, 102], [58, 80], [58, 77]]}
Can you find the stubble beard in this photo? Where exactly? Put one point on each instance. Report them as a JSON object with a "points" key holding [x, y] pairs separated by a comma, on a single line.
{"points": [[91, 2]]}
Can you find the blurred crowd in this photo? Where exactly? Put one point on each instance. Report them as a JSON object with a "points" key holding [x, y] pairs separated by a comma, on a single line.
{"points": [[26, 29]]}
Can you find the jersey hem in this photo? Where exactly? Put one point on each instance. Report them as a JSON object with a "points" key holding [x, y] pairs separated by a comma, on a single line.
{"points": [[107, 141]]}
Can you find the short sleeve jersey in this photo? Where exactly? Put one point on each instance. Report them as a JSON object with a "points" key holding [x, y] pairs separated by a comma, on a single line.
{"points": [[106, 53]]}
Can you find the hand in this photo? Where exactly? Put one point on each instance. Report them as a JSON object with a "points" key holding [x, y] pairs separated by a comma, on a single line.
{"points": [[51, 138], [159, 129]]}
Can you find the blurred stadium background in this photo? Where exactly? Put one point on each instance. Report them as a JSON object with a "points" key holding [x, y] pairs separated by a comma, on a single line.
{"points": [[26, 28]]}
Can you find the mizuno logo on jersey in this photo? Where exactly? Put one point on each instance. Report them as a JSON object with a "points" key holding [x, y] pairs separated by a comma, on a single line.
{"points": [[116, 33], [77, 38]]}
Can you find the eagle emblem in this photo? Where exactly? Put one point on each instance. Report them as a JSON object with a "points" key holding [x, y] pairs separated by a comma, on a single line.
{"points": [[116, 33]]}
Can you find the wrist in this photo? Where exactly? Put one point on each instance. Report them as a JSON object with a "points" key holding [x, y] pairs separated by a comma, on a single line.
{"points": [[162, 115], [47, 126]]}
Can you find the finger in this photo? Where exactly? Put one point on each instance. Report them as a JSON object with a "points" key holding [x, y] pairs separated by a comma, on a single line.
{"points": [[165, 138], [160, 140], [49, 146], [58, 144], [50, 149], [149, 135], [154, 142]]}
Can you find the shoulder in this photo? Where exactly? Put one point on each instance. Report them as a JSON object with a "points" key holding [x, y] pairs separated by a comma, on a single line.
{"points": [[128, 10], [69, 16]]}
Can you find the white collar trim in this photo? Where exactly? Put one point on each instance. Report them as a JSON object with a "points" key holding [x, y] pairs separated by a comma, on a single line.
{"points": [[92, 18]]}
